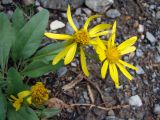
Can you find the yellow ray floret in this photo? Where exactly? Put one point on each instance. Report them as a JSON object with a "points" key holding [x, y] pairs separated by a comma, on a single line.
{"points": [[111, 55], [80, 38]]}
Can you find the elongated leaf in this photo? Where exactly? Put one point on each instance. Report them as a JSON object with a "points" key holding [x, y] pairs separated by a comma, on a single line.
{"points": [[25, 113], [3, 106], [15, 82], [38, 68], [30, 36], [49, 112], [49, 51], [6, 39], [18, 19]]}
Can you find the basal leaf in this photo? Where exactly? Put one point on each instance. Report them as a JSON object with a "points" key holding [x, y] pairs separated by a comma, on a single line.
{"points": [[48, 52], [49, 112], [15, 82], [3, 106], [6, 39], [30, 36], [25, 113], [38, 68], [18, 19]]}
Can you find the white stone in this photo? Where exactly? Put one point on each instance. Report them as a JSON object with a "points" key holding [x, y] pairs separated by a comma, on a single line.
{"points": [[56, 25], [99, 5], [87, 11], [140, 28], [157, 108], [140, 70], [113, 13], [139, 53], [135, 101], [6, 1], [158, 15], [150, 37], [78, 11]]}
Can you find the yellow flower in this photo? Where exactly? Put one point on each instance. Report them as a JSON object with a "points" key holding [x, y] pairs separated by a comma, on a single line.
{"points": [[110, 55], [39, 94], [17, 102], [80, 38]]}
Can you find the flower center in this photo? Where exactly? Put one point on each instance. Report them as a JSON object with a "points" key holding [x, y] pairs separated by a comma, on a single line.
{"points": [[82, 37], [113, 54], [39, 93]]}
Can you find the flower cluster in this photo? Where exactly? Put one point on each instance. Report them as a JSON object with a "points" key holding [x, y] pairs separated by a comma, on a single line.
{"points": [[109, 53], [38, 95]]}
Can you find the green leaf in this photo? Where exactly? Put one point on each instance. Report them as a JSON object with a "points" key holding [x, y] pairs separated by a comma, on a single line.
{"points": [[30, 36], [6, 39], [38, 68], [48, 52], [49, 112], [3, 106], [15, 82], [25, 113], [18, 19]]}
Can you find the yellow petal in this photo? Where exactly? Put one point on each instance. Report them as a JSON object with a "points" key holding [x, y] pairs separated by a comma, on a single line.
{"points": [[104, 69], [24, 94], [128, 65], [58, 36], [13, 97], [69, 17], [70, 54], [100, 34], [29, 100], [83, 62], [114, 74], [128, 50], [101, 52], [99, 28], [100, 44], [90, 19], [93, 42], [17, 105], [127, 43], [124, 71], [60, 55], [113, 36]]}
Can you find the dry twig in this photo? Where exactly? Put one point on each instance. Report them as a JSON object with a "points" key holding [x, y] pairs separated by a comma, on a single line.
{"points": [[100, 107]]}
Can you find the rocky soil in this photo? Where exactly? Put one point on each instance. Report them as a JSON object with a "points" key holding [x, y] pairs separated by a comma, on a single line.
{"points": [[92, 98]]}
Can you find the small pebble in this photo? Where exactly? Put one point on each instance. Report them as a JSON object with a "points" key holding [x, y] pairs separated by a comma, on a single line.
{"points": [[158, 15], [28, 2], [135, 101], [39, 8], [113, 13], [62, 71], [140, 70], [157, 109], [87, 11], [6, 2], [78, 11], [139, 53], [140, 28], [56, 25], [150, 37]]}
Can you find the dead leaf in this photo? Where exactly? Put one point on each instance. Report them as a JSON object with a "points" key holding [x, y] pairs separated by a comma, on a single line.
{"points": [[70, 85], [57, 103]]}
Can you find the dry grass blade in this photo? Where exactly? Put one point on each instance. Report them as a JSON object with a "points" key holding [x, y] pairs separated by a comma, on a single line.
{"points": [[100, 107], [70, 85], [90, 93]]}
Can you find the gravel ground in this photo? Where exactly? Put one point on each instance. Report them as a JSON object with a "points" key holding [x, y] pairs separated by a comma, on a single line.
{"points": [[135, 100]]}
